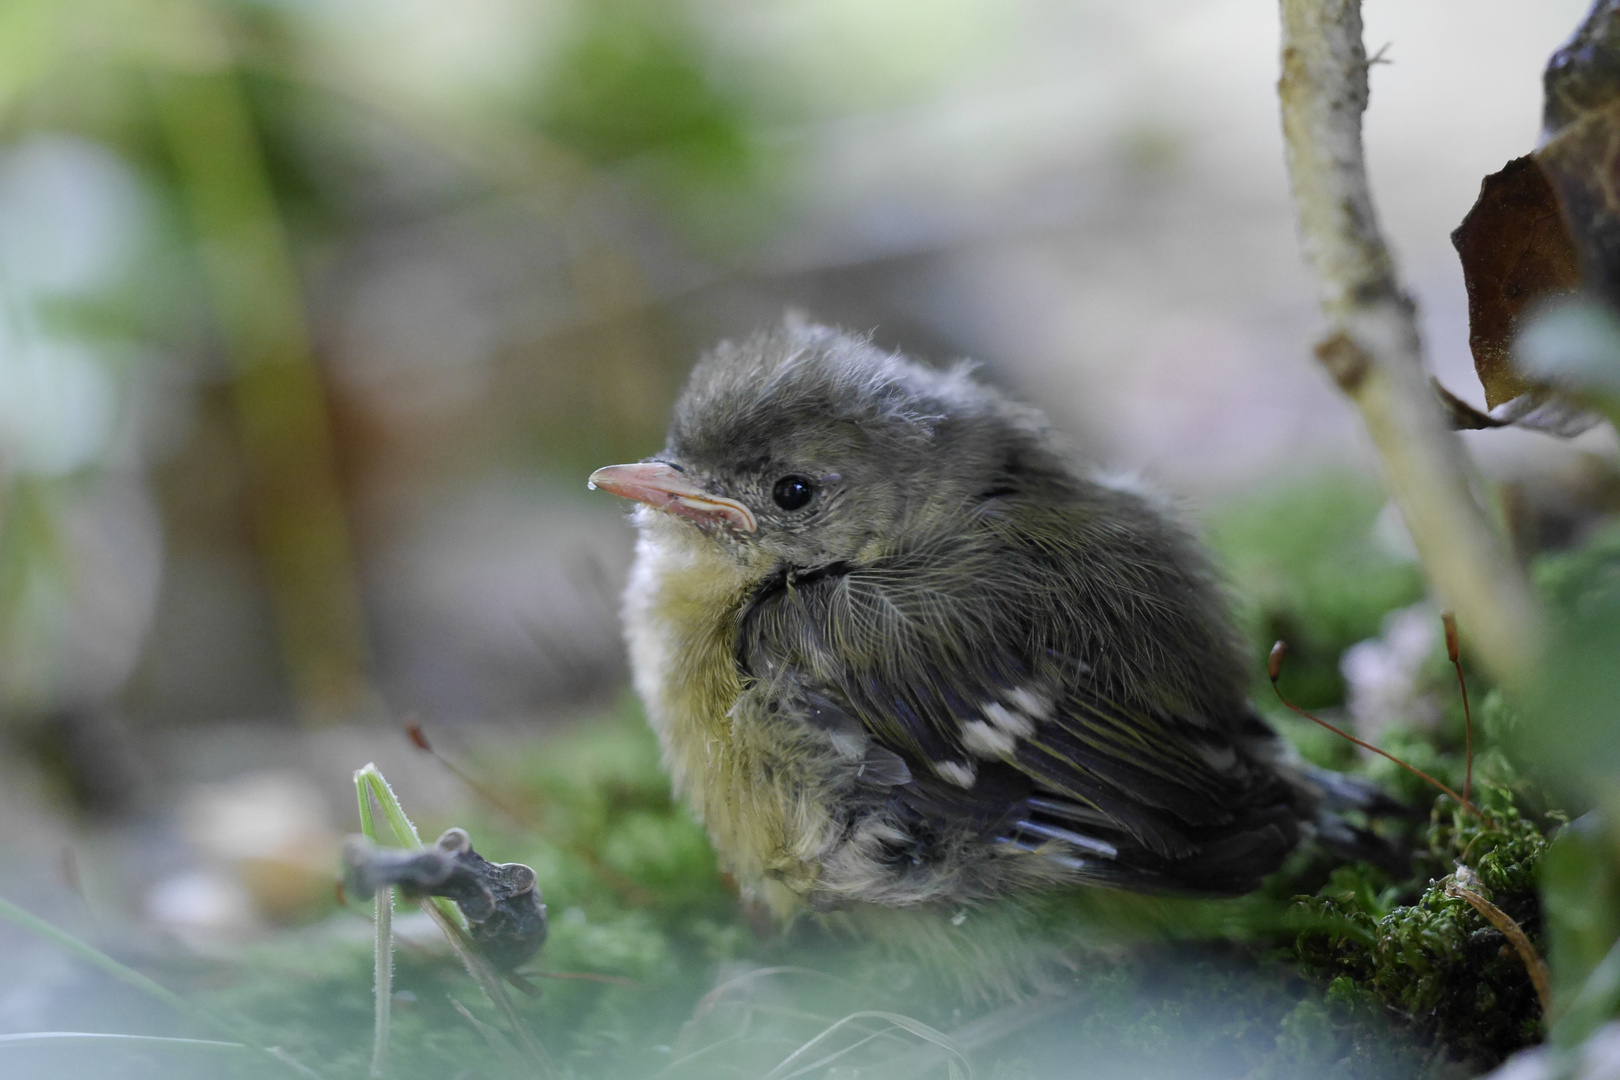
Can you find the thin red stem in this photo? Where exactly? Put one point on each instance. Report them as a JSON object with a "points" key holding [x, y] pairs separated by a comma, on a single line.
{"points": [[1275, 669], [621, 883], [419, 739], [1468, 732], [1453, 651]]}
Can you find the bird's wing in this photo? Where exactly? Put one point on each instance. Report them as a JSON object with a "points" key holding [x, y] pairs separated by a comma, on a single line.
{"points": [[996, 719]]}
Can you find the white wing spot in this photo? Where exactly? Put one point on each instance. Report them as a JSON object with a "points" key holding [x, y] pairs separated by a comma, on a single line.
{"points": [[1034, 705], [960, 773], [987, 741], [851, 745], [1014, 724]]}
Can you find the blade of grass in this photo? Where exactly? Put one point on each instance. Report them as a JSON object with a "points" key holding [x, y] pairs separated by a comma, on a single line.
{"points": [[708, 1001], [905, 1023], [498, 1042], [494, 989], [25, 1037], [127, 975], [383, 981], [1001, 1024], [404, 831], [449, 917], [702, 1051], [383, 947], [130, 977], [821, 1063]]}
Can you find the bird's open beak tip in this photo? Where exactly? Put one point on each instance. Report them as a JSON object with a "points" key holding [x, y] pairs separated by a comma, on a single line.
{"points": [[664, 487]]}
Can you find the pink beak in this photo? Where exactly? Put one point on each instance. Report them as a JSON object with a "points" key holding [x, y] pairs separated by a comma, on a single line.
{"points": [[663, 487]]}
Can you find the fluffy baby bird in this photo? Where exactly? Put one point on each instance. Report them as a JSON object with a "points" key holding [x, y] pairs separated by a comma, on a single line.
{"points": [[900, 648]]}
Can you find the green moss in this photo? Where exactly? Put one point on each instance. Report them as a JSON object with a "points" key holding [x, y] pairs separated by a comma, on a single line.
{"points": [[635, 894], [1435, 960]]}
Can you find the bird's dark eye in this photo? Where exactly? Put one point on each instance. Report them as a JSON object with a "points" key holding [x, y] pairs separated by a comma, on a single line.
{"points": [[792, 492]]}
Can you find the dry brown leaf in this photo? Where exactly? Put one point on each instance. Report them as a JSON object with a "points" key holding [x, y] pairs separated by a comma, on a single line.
{"points": [[1516, 252], [1460, 414], [1538, 410], [1582, 162], [1547, 226]]}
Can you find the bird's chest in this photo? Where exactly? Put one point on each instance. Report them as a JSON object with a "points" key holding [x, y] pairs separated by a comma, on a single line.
{"points": [[758, 788]]}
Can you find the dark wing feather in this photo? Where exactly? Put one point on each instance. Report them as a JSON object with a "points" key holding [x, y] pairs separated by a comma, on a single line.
{"points": [[995, 690]]}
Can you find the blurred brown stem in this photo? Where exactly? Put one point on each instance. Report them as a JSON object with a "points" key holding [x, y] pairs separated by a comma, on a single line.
{"points": [[1372, 348], [298, 512]]}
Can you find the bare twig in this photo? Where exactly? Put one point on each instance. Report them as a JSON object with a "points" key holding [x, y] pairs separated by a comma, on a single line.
{"points": [[1372, 348]]}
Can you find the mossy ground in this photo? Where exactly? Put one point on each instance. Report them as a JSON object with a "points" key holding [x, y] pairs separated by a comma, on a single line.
{"points": [[1154, 987], [1331, 971]]}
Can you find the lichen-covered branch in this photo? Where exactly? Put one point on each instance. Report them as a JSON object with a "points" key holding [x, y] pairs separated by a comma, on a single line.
{"points": [[1372, 348]]}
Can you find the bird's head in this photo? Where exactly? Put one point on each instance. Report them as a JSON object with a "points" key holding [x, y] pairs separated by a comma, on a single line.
{"points": [[805, 446]]}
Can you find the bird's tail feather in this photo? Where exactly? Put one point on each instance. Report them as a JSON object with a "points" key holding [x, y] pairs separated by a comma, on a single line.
{"points": [[1340, 793]]}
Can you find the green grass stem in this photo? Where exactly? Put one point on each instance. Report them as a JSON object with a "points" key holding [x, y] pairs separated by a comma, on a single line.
{"points": [[130, 977], [370, 779]]}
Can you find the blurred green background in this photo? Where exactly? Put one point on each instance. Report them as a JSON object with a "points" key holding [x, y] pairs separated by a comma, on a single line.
{"points": [[315, 315]]}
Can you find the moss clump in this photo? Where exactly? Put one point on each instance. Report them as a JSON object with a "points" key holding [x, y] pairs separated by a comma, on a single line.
{"points": [[1185, 987], [1436, 961]]}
